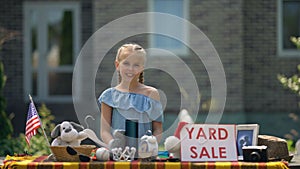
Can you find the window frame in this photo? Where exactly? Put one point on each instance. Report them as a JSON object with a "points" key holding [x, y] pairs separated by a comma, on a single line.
{"points": [[281, 52], [43, 69], [182, 51]]}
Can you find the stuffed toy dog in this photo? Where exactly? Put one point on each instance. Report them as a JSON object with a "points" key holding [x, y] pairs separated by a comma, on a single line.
{"points": [[172, 143], [68, 134]]}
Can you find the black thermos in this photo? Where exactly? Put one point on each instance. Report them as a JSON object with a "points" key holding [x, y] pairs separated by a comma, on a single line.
{"points": [[131, 133]]}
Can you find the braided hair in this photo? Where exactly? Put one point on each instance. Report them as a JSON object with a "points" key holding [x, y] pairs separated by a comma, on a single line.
{"points": [[131, 48]]}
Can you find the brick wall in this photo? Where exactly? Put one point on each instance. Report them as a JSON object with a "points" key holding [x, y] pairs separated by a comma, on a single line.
{"points": [[11, 53], [243, 33], [221, 22], [12, 56], [263, 92]]}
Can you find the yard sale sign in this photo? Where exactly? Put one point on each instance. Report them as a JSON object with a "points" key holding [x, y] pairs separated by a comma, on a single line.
{"points": [[208, 142]]}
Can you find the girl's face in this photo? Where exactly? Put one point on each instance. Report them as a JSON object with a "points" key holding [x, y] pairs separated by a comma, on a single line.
{"points": [[130, 67]]}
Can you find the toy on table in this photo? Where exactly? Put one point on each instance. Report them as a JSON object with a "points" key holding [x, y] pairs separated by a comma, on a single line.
{"points": [[67, 139], [118, 154], [71, 134], [68, 134], [102, 154], [172, 143], [148, 146], [118, 141], [117, 149]]}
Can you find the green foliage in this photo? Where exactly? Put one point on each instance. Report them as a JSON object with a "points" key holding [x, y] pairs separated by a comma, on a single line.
{"points": [[291, 146], [66, 39], [293, 82], [38, 143], [296, 41], [8, 144], [11, 146], [5, 122]]}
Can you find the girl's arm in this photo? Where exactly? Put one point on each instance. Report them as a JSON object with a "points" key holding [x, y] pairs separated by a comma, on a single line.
{"points": [[157, 130], [106, 112]]}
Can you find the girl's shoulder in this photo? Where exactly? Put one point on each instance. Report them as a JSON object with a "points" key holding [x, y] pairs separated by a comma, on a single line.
{"points": [[151, 92], [107, 91], [106, 95], [126, 100], [144, 91]]}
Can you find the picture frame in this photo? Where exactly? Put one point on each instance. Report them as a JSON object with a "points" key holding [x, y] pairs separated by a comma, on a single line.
{"points": [[246, 135]]}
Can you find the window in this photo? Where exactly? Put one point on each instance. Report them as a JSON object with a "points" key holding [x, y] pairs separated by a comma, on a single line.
{"points": [[51, 43], [288, 25], [174, 7]]}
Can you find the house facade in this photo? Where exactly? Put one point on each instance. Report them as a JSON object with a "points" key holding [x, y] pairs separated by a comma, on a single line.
{"points": [[250, 38]]}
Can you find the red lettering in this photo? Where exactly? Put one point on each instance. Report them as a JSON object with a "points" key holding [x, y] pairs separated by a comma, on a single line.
{"points": [[212, 132], [204, 153], [193, 150], [225, 133], [201, 134], [190, 132], [222, 152], [213, 153]]}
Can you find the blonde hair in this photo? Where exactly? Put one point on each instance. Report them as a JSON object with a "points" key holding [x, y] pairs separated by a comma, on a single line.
{"points": [[128, 49]]}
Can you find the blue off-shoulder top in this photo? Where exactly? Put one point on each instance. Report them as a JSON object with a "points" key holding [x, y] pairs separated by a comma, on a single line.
{"points": [[133, 106]]}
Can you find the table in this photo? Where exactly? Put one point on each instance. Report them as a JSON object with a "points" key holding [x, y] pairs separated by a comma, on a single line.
{"points": [[40, 162], [295, 162]]}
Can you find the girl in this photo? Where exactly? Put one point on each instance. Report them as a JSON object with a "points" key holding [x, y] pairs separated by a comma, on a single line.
{"points": [[131, 98]]}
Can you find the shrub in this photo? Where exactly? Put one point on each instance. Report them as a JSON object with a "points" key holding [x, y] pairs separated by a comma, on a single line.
{"points": [[38, 143]]}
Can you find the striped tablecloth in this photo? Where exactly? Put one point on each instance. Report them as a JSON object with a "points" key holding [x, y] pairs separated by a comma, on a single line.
{"points": [[32, 162]]}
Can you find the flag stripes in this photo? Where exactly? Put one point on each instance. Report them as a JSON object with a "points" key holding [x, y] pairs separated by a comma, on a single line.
{"points": [[33, 123]]}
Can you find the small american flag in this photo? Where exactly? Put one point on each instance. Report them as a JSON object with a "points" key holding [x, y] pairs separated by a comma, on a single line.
{"points": [[33, 122]]}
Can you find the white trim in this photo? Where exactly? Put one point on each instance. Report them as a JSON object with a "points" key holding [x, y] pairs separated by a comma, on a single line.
{"points": [[280, 51], [54, 99], [76, 31], [27, 68], [43, 68], [61, 69], [182, 52], [52, 5]]}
